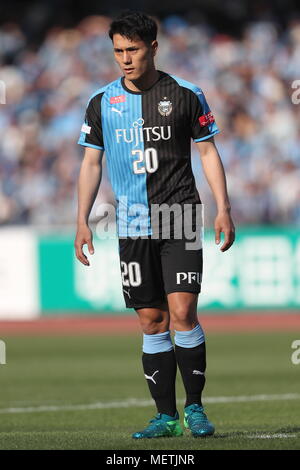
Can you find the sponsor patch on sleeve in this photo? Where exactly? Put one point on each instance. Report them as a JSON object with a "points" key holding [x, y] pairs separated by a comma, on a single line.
{"points": [[117, 99], [86, 129], [206, 119]]}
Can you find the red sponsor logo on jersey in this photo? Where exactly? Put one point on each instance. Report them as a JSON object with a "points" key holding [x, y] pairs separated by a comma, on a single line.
{"points": [[117, 99], [206, 119]]}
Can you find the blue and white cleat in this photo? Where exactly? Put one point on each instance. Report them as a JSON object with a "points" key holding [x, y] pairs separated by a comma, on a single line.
{"points": [[161, 426], [197, 422]]}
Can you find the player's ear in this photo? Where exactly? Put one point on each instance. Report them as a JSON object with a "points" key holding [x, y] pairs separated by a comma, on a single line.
{"points": [[154, 46]]}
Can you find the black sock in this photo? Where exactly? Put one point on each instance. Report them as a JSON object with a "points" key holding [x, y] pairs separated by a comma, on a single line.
{"points": [[160, 369], [192, 365]]}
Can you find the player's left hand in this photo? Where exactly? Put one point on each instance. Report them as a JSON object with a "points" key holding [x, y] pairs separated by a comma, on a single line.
{"points": [[223, 223]]}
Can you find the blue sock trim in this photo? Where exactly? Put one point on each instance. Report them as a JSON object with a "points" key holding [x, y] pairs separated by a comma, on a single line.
{"points": [[161, 342], [191, 338]]}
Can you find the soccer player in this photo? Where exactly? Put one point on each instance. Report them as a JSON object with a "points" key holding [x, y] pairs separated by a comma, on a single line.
{"points": [[144, 121]]}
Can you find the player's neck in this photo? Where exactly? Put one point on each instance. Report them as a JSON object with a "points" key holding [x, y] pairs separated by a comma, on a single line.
{"points": [[144, 82]]}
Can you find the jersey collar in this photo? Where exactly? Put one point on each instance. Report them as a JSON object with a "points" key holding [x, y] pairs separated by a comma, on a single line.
{"points": [[161, 75]]}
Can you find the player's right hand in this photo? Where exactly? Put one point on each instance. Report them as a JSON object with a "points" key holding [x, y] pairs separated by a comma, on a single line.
{"points": [[84, 236]]}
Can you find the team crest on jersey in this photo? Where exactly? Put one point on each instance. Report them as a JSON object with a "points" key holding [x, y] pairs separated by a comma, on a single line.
{"points": [[165, 107]]}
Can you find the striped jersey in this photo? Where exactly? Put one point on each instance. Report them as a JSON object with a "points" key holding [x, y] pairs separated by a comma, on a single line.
{"points": [[146, 137]]}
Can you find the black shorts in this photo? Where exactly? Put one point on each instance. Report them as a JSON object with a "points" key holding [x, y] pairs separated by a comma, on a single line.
{"points": [[153, 268]]}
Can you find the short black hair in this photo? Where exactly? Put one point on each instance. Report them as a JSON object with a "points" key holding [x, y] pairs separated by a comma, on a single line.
{"points": [[132, 23]]}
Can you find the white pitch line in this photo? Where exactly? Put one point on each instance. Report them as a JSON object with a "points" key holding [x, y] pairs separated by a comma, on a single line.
{"points": [[270, 436], [136, 402], [285, 396]]}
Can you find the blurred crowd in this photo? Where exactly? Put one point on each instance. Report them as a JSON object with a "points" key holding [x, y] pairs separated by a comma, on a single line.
{"points": [[247, 83]]}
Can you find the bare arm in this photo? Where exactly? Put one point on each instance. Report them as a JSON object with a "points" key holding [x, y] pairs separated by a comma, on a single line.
{"points": [[215, 176], [88, 186]]}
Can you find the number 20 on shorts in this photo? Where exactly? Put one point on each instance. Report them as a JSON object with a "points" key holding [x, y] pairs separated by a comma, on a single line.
{"points": [[131, 274]]}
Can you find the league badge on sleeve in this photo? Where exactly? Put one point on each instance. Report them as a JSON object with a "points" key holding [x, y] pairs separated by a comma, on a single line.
{"points": [[206, 119], [165, 107], [85, 128]]}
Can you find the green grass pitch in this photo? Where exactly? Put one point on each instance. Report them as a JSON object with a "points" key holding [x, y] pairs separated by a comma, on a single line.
{"points": [[67, 372]]}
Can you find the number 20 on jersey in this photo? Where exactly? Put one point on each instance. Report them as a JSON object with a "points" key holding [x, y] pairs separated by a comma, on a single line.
{"points": [[145, 161]]}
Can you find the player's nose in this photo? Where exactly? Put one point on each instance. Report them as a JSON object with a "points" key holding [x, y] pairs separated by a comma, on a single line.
{"points": [[126, 58]]}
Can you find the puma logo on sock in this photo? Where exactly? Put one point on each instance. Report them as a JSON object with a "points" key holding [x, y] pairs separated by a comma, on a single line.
{"points": [[198, 372], [150, 377]]}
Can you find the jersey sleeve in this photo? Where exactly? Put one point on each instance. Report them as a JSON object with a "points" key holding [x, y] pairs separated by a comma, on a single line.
{"points": [[91, 131], [203, 125]]}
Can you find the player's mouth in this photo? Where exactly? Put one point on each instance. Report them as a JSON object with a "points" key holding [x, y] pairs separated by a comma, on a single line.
{"points": [[129, 70]]}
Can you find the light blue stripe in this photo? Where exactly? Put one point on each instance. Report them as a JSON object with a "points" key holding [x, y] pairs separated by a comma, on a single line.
{"points": [[116, 128], [191, 338], [161, 342], [207, 136], [86, 144], [186, 84]]}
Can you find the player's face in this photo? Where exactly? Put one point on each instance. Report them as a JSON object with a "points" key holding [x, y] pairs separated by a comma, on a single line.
{"points": [[134, 57]]}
